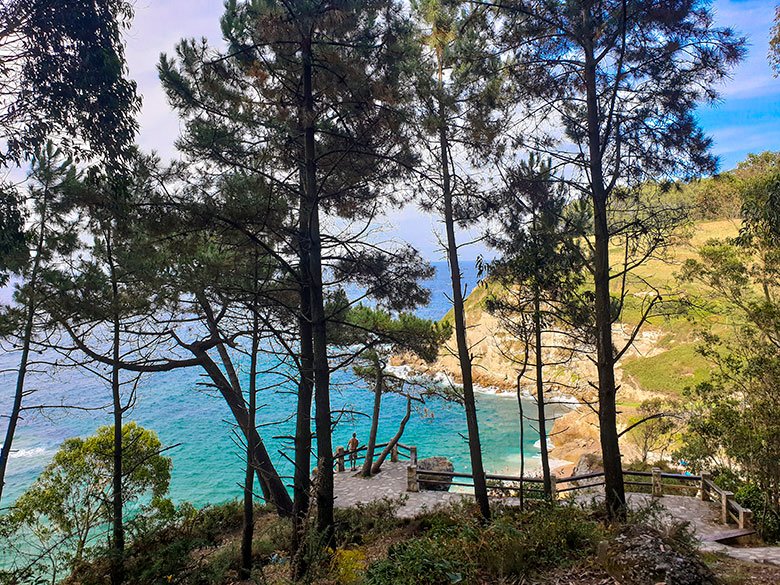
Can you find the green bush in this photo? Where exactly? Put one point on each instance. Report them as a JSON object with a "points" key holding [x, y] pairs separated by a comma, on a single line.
{"points": [[347, 566], [273, 538], [421, 561], [765, 518], [548, 537], [727, 479], [354, 526], [210, 522], [459, 549], [187, 548]]}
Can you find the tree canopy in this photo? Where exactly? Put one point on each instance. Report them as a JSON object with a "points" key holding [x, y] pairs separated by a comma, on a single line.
{"points": [[64, 75]]}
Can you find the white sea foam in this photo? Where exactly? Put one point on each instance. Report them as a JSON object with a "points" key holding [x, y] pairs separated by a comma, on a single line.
{"points": [[538, 444], [27, 453], [407, 372]]}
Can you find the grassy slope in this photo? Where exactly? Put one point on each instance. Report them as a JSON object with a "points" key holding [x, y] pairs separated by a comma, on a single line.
{"points": [[677, 365]]}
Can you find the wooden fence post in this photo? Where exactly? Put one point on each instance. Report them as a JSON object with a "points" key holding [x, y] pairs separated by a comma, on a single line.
{"points": [[412, 484], [657, 487], [553, 488], [413, 456], [724, 506], [705, 477], [745, 518], [394, 454], [340, 459]]}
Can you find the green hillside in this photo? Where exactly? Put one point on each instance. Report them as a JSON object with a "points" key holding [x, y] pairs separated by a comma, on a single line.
{"points": [[674, 363]]}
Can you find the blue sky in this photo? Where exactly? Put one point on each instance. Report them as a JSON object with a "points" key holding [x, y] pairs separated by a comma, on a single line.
{"points": [[747, 119]]}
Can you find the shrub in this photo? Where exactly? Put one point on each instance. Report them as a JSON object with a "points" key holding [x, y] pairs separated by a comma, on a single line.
{"points": [[423, 561], [765, 518], [548, 537], [61, 522], [186, 549], [727, 479], [347, 566], [458, 548], [354, 526], [218, 567], [272, 538]]}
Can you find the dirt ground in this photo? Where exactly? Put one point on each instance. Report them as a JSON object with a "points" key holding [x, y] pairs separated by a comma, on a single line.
{"points": [[730, 572]]}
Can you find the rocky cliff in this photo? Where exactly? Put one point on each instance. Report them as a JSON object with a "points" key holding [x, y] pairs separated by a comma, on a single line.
{"points": [[661, 361]]}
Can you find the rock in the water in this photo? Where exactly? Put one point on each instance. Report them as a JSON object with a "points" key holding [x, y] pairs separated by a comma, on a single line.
{"points": [[640, 555], [435, 464]]}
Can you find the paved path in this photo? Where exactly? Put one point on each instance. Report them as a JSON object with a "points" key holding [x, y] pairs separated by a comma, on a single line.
{"points": [[351, 489]]}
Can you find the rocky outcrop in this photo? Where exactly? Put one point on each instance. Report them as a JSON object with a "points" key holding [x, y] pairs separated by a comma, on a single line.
{"points": [[436, 483], [574, 431], [641, 555], [588, 463]]}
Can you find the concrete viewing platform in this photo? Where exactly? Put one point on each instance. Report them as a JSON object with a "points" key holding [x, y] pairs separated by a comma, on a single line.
{"points": [[704, 517], [350, 489]]}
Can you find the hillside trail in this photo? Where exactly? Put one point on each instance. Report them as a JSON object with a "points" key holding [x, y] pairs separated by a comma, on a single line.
{"points": [[351, 489]]}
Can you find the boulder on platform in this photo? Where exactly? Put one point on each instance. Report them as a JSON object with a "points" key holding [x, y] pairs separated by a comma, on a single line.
{"points": [[436, 483]]}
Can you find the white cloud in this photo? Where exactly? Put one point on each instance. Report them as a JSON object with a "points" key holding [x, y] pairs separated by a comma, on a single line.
{"points": [[157, 27], [160, 24], [753, 19]]}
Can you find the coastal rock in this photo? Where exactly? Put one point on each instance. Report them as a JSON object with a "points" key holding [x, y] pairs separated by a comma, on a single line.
{"points": [[641, 555], [588, 463], [436, 464]]}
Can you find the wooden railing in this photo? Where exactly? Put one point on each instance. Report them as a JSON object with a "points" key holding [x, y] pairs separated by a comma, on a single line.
{"points": [[729, 508], [656, 482], [398, 452]]}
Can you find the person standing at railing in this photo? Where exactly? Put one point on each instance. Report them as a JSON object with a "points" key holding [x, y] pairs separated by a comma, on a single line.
{"points": [[352, 447]]}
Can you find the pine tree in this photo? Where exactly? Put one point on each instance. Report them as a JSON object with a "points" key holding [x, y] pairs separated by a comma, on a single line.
{"points": [[622, 79], [538, 278], [306, 96], [374, 335], [32, 253], [459, 90], [63, 76]]}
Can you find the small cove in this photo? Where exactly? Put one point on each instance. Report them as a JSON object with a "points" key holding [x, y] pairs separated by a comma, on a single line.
{"points": [[207, 460]]}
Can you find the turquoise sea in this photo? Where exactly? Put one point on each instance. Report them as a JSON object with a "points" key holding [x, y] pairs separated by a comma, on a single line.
{"points": [[206, 462]]}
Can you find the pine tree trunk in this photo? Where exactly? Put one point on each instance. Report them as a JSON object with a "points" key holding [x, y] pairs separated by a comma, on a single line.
{"points": [[319, 333], [469, 402], [541, 416], [273, 488], [522, 442], [16, 408], [605, 360], [302, 473], [248, 527], [117, 516], [117, 511], [377, 466], [378, 384]]}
